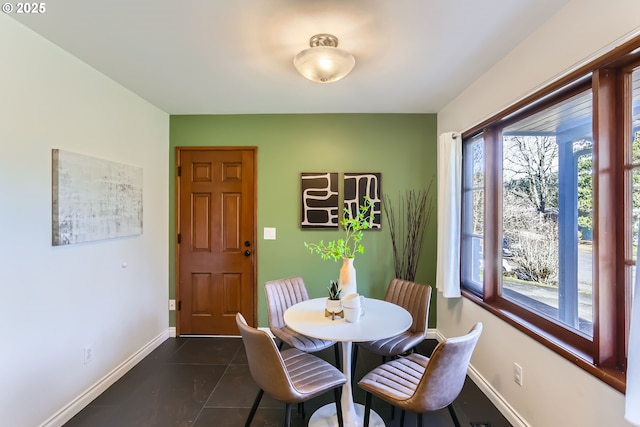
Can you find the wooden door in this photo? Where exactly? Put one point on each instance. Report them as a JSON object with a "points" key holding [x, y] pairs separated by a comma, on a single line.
{"points": [[216, 239]]}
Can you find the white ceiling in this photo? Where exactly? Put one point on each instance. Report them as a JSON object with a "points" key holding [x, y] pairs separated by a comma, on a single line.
{"points": [[235, 56]]}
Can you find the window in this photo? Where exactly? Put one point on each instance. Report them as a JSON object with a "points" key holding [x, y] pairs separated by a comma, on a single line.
{"points": [[551, 213], [632, 180], [473, 219], [547, 212]]}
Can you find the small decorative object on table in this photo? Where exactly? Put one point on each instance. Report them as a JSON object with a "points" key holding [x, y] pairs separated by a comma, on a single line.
{"points": [[353, 307], [334, 305]]}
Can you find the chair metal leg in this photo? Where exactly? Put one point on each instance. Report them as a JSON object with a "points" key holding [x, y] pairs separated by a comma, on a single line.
{"points": [[280, 345], [337, 394], [301, 410], [452, 411], [401, 416], [287, 415], [367, 409], [337, 353], [419, 420], [254, 408]]}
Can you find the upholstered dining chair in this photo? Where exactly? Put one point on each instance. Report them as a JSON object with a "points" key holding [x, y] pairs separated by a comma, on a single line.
{"points": [[419, 384], [282, 294], [291, 375], [413, 297]]}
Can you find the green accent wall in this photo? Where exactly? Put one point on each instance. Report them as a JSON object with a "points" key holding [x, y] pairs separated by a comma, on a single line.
{"points": [[400, 146]]}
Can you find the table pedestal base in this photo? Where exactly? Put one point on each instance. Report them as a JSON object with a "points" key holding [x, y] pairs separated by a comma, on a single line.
{"points": [[326, 416]]}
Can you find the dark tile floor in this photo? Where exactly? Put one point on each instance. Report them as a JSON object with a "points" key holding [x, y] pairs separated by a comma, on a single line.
{"points": [[205, 382]]}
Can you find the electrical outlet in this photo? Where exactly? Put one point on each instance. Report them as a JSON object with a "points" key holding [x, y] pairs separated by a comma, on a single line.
{"points": [[517, 374], [88, 354], [172, 304]]}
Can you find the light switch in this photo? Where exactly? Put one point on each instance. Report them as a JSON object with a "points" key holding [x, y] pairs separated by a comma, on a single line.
{"points": [[269, 233]]}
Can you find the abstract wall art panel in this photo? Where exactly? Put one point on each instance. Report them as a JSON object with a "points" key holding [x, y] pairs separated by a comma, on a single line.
{"points": [[94, 199], [319, 200], [359, 185]]}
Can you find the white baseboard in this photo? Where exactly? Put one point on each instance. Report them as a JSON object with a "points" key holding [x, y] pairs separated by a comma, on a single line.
{"points": [[76, 405], [433, 334], [498, 401]]}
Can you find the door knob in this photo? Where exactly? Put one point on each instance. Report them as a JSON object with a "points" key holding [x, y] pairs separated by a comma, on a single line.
{"points": [[247, 243], [247, 253]]}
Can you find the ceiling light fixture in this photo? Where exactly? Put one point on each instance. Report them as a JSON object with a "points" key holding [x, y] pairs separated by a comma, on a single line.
{"points": [[323, 62]]}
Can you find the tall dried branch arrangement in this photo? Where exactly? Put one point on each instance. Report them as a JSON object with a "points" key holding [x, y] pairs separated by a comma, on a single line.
{"points": [[407, 227]]}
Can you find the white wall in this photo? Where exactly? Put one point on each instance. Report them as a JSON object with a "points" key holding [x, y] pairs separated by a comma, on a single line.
{"points": [[555, 392], [57, 300]]}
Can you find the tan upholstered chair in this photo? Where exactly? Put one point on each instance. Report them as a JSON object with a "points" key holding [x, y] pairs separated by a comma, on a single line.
{"points": [[415, 298], [290, 376], [282, 294], [421, 384]]}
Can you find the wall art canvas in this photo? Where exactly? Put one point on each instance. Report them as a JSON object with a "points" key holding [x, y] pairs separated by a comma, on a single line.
{"points": [[359, 185], [94, 199], [319, 200]]}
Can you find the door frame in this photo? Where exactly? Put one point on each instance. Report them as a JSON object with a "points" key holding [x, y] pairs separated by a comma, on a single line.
{"points": [[178, 152]]}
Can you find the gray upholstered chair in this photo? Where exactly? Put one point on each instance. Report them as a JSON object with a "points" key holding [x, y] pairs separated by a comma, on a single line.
{"points": [[415, 298], [419, 384], [282, 294], [290, 376]]}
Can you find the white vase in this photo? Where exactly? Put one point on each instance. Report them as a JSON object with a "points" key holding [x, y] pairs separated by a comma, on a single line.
{"points": [[347, 278]]}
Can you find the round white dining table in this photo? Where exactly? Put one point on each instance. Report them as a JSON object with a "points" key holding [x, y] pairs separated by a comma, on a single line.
{"points": [[381, 319]]}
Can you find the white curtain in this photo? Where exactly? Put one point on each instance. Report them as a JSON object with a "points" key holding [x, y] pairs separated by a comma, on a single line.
{"points": [[632, 406], [449, 201]]}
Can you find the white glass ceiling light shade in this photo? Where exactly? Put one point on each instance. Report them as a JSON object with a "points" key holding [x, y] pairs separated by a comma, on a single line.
{"points": [[323, 62]]}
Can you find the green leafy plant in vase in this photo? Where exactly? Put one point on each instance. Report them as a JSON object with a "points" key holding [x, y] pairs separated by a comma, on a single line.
{"points": [[346, 248]]}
